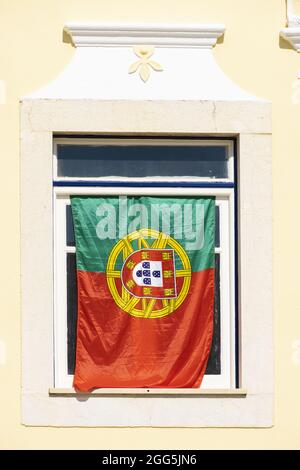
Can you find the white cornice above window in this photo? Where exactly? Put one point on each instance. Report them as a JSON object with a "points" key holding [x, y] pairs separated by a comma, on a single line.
{"points": [[292, 35], [204, 36], [143, 62]]}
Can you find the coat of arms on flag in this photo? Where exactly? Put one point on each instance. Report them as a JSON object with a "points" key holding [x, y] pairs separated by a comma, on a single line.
{"points": [[150, 273]]}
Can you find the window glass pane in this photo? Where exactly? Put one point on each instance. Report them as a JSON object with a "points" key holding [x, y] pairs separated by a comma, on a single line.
{"points": [[217, 226], [140, 161], [71, 310], [70, 236], [214, 361]]}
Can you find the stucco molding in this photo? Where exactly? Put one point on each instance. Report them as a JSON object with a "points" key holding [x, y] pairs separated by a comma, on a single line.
{"points": [[293, 20], [292, 32], [104, 53], [162, 35], [292, 35]]}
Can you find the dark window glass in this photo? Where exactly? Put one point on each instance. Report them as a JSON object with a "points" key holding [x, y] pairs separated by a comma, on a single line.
{"points": [[214, 361], [141, 160], [217, 227], [71, 310], [70, 227]]}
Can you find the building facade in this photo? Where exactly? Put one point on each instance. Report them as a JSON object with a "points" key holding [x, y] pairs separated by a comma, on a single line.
{"points": [[205, 56]]}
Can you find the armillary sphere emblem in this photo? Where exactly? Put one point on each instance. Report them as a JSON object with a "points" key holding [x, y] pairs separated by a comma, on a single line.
{"points": [[148, 274]]}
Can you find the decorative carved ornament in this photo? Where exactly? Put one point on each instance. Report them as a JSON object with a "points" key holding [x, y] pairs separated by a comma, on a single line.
{"points": [[144, 65]]}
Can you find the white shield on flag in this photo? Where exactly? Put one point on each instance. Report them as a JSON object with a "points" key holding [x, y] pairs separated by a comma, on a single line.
{"points": [[150, 273]]}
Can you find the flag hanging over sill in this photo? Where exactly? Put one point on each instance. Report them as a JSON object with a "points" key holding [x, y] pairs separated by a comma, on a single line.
{"points": [[145, 274]]}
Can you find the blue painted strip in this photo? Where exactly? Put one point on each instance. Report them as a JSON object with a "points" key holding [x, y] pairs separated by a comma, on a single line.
{"points": [[138, 184], [236, 267]]}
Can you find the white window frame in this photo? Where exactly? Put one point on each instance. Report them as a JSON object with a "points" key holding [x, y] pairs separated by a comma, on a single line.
{"points": [[226, 380], [227, 143], [224, 199]]}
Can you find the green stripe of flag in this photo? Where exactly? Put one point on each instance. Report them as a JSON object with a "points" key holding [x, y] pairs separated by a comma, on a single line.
{"points": [[100, 222]]}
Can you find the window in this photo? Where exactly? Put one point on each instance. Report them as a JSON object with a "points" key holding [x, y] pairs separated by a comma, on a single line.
{"points": [[123, 166], [44, 401]]}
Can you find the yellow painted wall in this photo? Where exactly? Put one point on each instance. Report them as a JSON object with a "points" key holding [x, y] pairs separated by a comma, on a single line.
{"points": [[32, 53]]}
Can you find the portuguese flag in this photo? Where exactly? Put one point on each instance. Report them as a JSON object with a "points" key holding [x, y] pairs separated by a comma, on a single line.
{"points": [[145, 275]]}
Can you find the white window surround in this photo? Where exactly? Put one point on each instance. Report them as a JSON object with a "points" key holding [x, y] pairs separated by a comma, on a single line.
{"points": [[54, 111]]}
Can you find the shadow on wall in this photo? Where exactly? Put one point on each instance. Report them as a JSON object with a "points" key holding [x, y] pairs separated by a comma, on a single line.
{"points": [[66, 38]]}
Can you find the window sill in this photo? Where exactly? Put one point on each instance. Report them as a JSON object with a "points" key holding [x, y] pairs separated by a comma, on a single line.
{"points": [[69, 392]]}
